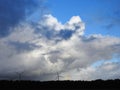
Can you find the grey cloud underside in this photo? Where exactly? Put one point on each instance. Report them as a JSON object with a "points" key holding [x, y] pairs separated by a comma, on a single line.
{"points": [[64, 49], [22, 47], [63, 34]]}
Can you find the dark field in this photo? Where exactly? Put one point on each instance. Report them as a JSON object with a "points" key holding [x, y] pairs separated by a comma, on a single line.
{"points": [[81, 85]]}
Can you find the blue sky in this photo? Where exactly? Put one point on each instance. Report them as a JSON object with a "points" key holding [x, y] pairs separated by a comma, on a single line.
{"points": [[99, 15], [72, 37]]}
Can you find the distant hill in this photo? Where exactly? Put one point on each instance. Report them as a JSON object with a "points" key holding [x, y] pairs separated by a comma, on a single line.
{"points": [[35, 85]]}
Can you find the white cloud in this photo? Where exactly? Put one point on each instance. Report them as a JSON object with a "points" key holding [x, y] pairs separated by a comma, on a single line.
{"points": [[104, 71], [48, 56], [51, 23], [74, 24]]}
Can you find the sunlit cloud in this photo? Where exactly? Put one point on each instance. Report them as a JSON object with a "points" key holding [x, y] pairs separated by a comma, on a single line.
{"points": [[42, 50]]}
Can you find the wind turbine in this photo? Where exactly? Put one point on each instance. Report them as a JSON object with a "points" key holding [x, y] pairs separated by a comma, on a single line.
{"points": [[20, 75], [58, 76]]}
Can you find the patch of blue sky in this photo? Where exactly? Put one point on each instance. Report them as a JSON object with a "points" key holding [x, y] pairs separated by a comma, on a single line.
{"points": [[100, 62], [100, 16]]}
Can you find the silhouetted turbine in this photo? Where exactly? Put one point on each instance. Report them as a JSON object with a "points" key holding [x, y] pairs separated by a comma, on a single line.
{"points": [[58, 76], [19, 75]]}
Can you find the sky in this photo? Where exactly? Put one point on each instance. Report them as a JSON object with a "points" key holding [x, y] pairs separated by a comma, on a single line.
{"points": [[103, 15], [79, 39]]}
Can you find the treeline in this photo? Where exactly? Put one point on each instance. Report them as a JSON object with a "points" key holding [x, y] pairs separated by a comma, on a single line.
{"points": [[97, 84]]}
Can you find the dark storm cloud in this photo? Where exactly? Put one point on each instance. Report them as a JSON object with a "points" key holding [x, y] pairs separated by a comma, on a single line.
{"points": [[14, 11]]}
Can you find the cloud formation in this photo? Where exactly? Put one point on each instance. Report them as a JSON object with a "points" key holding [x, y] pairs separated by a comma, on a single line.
{"points": [[45, 48], [13, 12], [107, 70], [57, 29]]}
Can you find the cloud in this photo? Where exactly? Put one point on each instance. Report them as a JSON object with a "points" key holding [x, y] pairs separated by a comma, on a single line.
{"points": [[41, 50], [13, 12], [57, 29], [107, 70]]}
